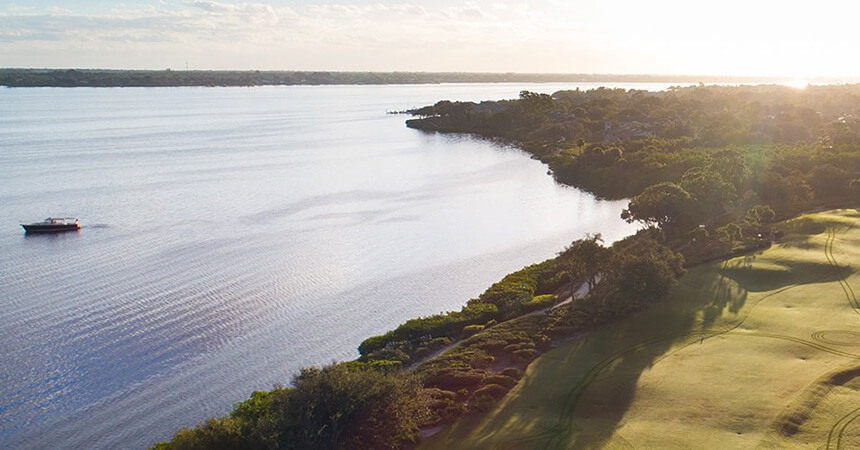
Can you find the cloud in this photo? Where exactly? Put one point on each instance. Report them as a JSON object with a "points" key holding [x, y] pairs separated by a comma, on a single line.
{"points": [[217, 22], [443, 35], [414, 35], [470, 11]]}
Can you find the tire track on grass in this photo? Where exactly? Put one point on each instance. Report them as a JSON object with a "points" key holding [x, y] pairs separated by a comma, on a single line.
{"points": [[839, 270], [822, 336], [847, 419], [844, 421], [811, 344]]}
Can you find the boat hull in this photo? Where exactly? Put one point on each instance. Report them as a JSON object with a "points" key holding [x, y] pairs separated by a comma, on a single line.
{"points": [[50, 228]]}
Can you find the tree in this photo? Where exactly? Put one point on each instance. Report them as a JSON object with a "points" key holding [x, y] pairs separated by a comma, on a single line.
{"points": [[760, 215], [533, 107], [786, 194], [583, 259], [731, 164], [730, 233], [348, 406], [665, 204], [640, 272], [855, 187], [712, 193], [827, 180], [534, 102]]}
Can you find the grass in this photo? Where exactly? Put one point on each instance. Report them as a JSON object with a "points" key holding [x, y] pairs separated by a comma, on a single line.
{"points": [[760, 351]]}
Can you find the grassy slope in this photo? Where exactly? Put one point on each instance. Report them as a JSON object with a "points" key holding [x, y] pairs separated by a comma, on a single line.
{"points": [[757, 351]]}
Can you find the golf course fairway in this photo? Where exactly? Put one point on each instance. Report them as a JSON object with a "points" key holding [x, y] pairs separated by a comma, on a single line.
{"points": [[759, 351]]}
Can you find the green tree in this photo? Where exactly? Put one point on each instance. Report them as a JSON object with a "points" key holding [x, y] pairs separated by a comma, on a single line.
{"points": [[535, 103], [731, 164], [760, 215], [712, 193], [730, 233], [666, 205], [640, 272], [583, 259], [827, 180], [786, 194], [348, 406]]}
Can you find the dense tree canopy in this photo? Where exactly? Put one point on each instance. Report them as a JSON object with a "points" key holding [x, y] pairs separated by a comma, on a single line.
{"points": [[664, 204], [347, 405]]}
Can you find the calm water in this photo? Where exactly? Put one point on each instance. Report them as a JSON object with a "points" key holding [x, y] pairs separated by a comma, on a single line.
{"points": [[234, 235]]}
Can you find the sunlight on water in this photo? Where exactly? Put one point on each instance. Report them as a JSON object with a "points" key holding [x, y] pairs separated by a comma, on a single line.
{"points": [[233, 235]]}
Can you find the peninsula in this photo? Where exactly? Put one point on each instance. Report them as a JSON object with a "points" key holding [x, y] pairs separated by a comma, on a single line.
{"points": [[730, 285]]}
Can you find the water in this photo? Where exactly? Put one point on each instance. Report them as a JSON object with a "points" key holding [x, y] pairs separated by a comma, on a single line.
{"points": [[233, 235]]}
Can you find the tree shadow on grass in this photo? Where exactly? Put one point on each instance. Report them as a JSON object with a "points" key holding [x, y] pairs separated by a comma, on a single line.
{"points": [[636, 344], [774, 276], [602, 372], [602, 405], [577, 395]]}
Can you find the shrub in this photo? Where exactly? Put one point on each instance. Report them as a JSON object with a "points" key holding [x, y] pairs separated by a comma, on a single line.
{"points": [[224, 433], [469, 330], [342, 406], [482, 403], [526, 354], [374, 343], [503, 380], [455, 379], [411, 333], [391, 354], [512, 372], [495, 391]]}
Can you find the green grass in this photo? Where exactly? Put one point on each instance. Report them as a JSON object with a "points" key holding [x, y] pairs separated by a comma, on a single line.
{"points": [[760, 351]]}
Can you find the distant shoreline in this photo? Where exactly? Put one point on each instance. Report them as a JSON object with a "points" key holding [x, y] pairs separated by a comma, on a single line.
{"points": [[174, 78]]}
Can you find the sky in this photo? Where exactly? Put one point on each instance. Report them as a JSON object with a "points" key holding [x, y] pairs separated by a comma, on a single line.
{"points": [[706, 37]]}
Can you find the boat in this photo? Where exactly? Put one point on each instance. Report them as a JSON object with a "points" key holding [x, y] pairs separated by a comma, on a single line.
{"points": [[53, 225]]}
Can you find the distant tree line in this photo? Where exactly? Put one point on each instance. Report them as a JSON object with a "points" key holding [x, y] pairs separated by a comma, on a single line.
{"points": [[168, 77]]}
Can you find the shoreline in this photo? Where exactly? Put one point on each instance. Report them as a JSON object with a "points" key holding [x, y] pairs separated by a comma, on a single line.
{"points": [[79, 77]]}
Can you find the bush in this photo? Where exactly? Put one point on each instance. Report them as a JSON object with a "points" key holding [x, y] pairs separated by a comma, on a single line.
{"points": [[342, 406], [526, 354], [349, 405], [539, 302], [502, 380], [512, 372], [495, 391], [455, 379], [411, 333], [390, 354], [482, 403], [469, 330], [224, 433], [374, 343]]}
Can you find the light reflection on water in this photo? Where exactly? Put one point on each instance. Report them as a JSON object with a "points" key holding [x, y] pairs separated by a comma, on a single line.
{"points": [[233, 235]]}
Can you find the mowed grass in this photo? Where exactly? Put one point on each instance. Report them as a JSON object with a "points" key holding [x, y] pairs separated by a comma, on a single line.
{"points": [[760, 351]]}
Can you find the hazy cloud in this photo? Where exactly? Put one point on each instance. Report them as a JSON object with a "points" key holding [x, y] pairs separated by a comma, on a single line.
{"points": [[663, 36], [470, 11]]}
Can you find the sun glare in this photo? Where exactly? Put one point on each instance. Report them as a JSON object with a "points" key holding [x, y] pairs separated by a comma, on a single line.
{"points": [[797, 83]]}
